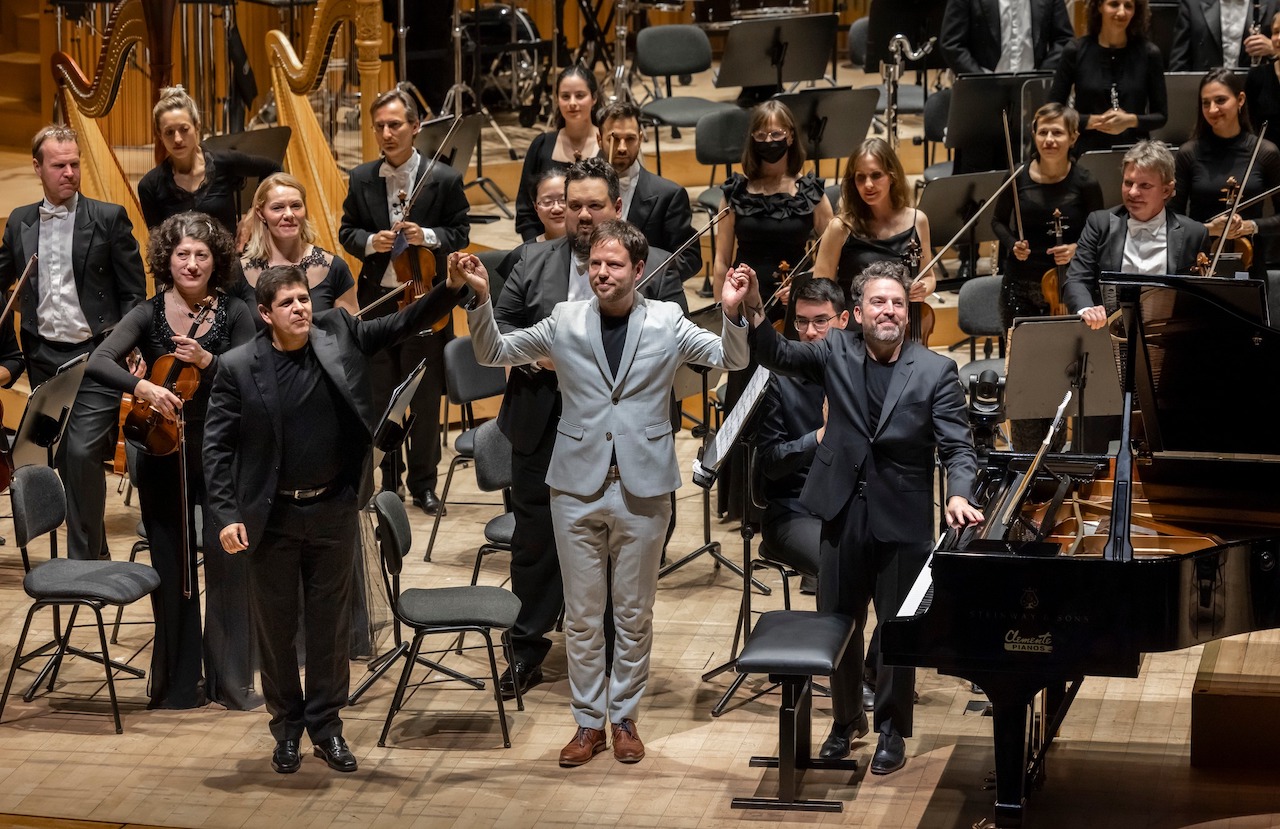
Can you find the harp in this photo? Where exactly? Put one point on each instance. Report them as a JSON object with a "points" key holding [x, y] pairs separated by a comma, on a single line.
{"points": [[80, 102], [293, 80]]}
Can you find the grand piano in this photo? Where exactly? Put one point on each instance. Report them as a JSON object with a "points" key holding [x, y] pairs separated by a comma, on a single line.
{"points": [[1173, 542]]}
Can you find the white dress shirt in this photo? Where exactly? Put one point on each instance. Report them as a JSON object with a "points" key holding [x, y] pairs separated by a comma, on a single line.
{"points": [[627, 184], [1017, 54], [59, 316], [1235, 16], [579, 279], [1146, 246]]}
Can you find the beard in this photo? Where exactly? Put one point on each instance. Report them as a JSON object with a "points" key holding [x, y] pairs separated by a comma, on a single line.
{"points": [[581, 246], [883, 334]]}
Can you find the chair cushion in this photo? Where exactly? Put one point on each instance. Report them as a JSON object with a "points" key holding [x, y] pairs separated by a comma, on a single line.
{"points": [[113, 582], [942, 169], [910, 99], [450, 606], [683, 112], [465, 444], [710, 200], [501, 529], [795, 643]]}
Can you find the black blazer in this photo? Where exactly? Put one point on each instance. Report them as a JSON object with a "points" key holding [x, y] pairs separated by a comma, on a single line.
{"points": [[243, 431], [539, 280], [105, 263], [970, 34], [1197, 34], [924, 411], [1101, 248], [441, 206], [660, 208]]}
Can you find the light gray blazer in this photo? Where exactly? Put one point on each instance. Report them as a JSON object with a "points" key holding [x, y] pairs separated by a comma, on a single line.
{"points": [[629, 415]]}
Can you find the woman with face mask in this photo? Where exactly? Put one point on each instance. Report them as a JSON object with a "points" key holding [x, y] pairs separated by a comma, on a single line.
{"points": [[775, 209]]}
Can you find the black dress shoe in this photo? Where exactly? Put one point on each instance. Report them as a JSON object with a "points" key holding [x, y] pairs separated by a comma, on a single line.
{"points": [[528, 676], [429, 503], [868, 697], [840, 741], [891, 754], [335, 752], [286, 759]]}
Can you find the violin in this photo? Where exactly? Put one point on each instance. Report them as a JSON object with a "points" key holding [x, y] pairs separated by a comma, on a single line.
{"points": [[415, 266], [1241, 245], [1051, 282], [920, 317], [152, 431]]}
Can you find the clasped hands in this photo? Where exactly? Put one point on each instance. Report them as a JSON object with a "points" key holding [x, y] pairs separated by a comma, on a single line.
{"points": [[1061, 253], [384, 240]]}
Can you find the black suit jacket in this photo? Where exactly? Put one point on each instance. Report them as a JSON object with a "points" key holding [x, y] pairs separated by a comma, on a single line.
{"points": [[441, 206], [660, 208], [104, 259], [970, 34], [1197, 34], [539, 280], [1101, 248], [923, 411], [243, 432]]}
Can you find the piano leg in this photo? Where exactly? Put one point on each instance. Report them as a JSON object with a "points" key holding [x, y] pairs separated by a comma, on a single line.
{"points": [[1010, 704]]}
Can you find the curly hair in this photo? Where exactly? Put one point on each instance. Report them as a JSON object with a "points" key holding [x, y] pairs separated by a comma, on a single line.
{"points": [[199, 227]]}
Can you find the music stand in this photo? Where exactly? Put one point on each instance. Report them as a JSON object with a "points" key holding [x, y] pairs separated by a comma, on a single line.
{"points": [[271, 142], [974, 122], [832, 122], [951, 201], [396, 419], [45, 419], [1047, 355], [458, 152], [758, 53]]}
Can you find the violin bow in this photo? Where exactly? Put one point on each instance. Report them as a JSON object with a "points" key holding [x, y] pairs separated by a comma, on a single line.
{"points": [[695, 237], [32, 264], [402, 243], [962, 231], [1235, 203], [799, 267], [1008, 149]]}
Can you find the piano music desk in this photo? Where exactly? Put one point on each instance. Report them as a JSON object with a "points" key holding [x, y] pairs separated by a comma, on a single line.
{"points": [[1235, 702]]}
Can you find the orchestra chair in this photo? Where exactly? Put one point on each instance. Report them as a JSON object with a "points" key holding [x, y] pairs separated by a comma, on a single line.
{"points": [[937, 110], [674, 50], [720, 138], [39, 508], [978, 315], [493, 474], [436, 611], [793, 647], [858, 42], [466, 381]]}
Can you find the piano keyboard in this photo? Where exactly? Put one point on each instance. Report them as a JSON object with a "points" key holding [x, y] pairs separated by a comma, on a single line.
{"points": [[921, 594]]}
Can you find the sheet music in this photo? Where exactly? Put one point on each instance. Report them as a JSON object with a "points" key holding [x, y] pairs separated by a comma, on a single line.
{"points": [[732, 426]]}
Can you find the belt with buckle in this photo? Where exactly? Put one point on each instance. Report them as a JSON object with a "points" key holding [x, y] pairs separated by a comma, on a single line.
{"points": [[308, 494], [612, 474]]}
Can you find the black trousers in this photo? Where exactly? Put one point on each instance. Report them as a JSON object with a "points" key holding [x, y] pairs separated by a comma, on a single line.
{"points": [[312, 544], [793, 538], [856, 569], [389, 368], [535, 568]]}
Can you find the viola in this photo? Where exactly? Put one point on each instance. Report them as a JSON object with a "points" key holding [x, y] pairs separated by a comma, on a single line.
{"points": [[920, 317], [155, 433], [1051, 282]]}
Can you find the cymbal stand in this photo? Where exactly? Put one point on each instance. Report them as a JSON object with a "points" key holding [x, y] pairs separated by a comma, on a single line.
{"points": [[891, 71], [620, 81], [557, 30], [453, 99]]}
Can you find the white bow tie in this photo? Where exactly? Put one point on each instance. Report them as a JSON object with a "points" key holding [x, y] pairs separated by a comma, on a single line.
{"points": [[1145, 230], [57, 212]]}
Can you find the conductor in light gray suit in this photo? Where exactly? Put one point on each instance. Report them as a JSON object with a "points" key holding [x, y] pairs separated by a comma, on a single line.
{"points": [[614, 465]]}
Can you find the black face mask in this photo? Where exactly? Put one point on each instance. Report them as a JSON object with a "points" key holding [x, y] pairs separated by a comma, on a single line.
{"points": [[770, 151]]}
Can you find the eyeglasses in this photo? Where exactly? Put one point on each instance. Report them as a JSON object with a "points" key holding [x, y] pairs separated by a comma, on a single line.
{"points": [[550, 202], [770, 135], [818, 323]]}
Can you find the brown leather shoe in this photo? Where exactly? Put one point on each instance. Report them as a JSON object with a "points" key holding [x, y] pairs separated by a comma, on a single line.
{"points": [[627, 747], [587, 743]]}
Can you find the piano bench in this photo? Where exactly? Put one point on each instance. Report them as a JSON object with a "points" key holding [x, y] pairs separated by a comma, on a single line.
{"points": [[792, 647]]}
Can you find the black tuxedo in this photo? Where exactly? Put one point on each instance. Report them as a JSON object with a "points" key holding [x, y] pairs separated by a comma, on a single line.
{"points": [[109, 278], [292, 542], [660, 208], [870, 483], [1197, 34], [1101, 248], [442, 207], [971, 34], [528, 417]]}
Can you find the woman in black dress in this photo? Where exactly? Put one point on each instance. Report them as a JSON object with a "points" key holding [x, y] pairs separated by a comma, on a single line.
{"points": [[1220, 149], [281, 234], [1116, 75], [1051, 181], [191, 177], [876, 221], [190, 257], [574, 139]]}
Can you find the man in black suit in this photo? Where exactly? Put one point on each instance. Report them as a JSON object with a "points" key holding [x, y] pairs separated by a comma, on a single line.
{"points": [[287, 448], [372, 216], [1004, 35], [1213, 33], [90, 275], [787, 437], [1140, 236], [658, 206], [547, 273], [891, 404]]}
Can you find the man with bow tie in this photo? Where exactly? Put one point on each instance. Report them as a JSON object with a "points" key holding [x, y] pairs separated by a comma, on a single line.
{"points": [[658, 206], [373, 215], [1140, 236], [90, 275]]}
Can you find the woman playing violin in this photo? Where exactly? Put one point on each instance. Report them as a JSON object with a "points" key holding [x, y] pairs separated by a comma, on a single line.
{"points": [[281, 234], [191, 259], [1220, 149], [876, 221]]}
